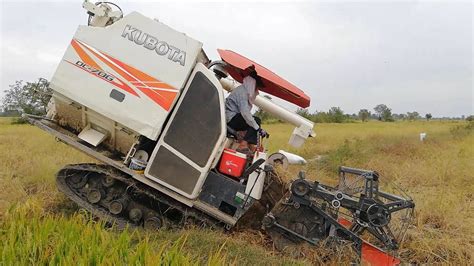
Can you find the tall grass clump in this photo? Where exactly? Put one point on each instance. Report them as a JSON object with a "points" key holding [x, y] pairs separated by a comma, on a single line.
{"points": [[28, 237], [31, 236], [462, 130]]}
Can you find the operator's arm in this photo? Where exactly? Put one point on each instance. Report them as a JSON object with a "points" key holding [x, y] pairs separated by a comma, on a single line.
{"points": [[244, 108]]}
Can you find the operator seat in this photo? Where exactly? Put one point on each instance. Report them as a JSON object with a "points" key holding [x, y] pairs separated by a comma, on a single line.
{"points": [[231, 133], [233, 138]]}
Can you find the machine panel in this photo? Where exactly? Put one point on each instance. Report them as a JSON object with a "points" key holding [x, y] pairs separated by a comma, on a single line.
{"points": [[174, 170], [194, 127], [194, 134], [131, 71], [229, 200]]}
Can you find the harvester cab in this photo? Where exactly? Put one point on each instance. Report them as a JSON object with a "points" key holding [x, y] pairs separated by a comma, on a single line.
{"points": [[147, 102]]}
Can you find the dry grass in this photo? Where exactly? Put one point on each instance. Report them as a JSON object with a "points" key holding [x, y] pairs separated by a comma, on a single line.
{"points": [[30, 158], [437, 173]]}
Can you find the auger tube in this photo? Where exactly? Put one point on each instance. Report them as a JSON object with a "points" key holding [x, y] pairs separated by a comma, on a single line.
{"points": [[304, 127]]}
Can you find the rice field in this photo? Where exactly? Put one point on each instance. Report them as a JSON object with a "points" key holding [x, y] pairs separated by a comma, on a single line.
{"points": [[38, 225]]}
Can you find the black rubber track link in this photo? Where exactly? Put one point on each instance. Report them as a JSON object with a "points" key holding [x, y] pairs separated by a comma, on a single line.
{"points": [[120, 200]]}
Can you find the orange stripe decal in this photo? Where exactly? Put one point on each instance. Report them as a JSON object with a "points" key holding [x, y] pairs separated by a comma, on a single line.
{"points": [[158, 91], [140, 76], [163, 98], [123, 85], [83, 55]]}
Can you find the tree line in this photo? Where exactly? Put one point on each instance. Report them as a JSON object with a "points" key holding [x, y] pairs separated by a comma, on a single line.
{"points": [[381, 112], [26, 97]]}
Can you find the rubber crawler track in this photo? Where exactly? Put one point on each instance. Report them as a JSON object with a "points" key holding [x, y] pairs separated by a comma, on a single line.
{"points": [[134, 190]]}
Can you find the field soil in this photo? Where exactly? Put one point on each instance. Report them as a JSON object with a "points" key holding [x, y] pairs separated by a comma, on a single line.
{"points": [[38, 225]]}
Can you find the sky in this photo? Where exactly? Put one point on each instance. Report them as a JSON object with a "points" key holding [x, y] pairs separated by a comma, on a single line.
{"points": [[411, 55]]}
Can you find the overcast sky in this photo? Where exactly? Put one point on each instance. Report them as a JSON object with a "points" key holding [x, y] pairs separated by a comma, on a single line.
{"points": [[412, 56]]}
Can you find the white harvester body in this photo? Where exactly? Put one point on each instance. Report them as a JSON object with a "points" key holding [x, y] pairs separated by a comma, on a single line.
{"points": [[136, 70], [126, 82]]}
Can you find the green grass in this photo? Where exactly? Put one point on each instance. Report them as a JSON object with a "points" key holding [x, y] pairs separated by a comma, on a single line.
{"points": [[38, 225], [30, 236], [58, 240]]}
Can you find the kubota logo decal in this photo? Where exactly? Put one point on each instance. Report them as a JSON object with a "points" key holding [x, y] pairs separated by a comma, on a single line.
{"points": [[158, 91], [152, 43]]}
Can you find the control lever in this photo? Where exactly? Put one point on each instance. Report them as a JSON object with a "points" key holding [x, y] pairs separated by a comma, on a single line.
{"points": [[252, 168]]}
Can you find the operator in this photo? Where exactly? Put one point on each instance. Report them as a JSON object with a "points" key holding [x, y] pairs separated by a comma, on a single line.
{"points": [[238, 116]]}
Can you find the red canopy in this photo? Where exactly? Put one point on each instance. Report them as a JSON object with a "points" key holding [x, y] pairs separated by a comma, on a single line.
{"points": [[272, 83]]}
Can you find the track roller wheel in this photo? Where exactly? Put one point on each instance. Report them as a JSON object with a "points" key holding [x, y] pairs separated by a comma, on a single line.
{"points": [[94, 196], [108, 181], [153, 223], [135, 215], [117, 206], [77, 181]]}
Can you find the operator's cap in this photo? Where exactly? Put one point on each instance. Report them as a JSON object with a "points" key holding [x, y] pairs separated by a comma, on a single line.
{"points": [[250, 71]]}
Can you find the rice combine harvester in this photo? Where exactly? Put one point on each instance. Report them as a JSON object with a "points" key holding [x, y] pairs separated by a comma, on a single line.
{"points": [[147, 102]]}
